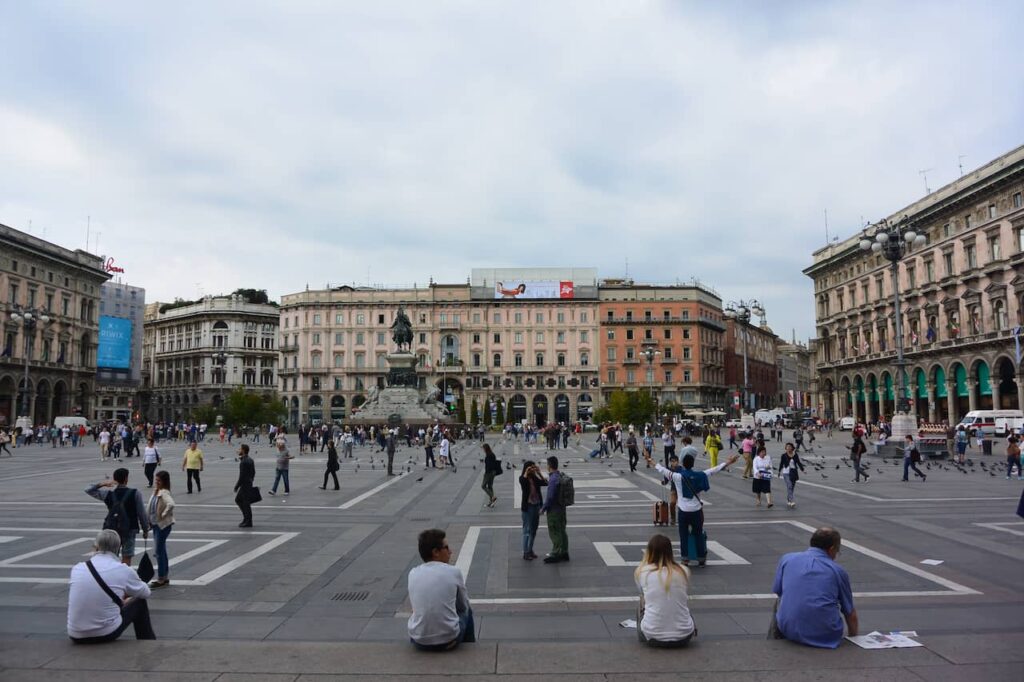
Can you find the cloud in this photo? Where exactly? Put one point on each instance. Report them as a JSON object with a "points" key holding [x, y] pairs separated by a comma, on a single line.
{"points": [[267, 145]]}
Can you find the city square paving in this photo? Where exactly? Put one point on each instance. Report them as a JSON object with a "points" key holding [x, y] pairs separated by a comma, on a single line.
{"points": [[331, 566]]}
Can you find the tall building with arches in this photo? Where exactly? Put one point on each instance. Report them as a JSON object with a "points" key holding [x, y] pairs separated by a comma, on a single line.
{"points": [[65, 284], [962, 300], [196, 353]]}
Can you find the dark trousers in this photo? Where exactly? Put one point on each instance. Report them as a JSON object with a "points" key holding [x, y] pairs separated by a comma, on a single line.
{"points": [[149, 469], [907, 465], [859, 470], [136, 613], [669, 451], [280, 475], [391, 460], [337, 486], [691, 523], [242, 500], [193, 473], [634, 459], [430, 458]]}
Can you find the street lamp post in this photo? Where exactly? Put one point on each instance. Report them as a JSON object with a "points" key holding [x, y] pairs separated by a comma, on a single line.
{"points": [[894, 241], [650, 353], [220, 359], [741, 311], [29, 319]]}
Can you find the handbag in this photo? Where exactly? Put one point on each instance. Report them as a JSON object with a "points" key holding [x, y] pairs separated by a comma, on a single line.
{"points": [[145, 569], [254, 495]]}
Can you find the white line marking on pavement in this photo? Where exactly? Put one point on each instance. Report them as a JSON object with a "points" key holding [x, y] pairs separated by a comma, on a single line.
{"points": [[896, 563], [370, 493], [9, 538], [612, 557], [45, 550], [696, 597], [224, 569], [177, 505], [44, 473], [1000, 527], [205, 547], [904, 499], [955, 589], [465, 559], [177, 532]]}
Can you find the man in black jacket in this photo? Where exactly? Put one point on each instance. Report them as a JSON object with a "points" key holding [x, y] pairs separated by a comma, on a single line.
{"points": [[243, 488]]}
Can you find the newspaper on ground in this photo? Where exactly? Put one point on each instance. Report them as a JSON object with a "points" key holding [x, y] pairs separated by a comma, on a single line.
{"points": [[876, 640]]}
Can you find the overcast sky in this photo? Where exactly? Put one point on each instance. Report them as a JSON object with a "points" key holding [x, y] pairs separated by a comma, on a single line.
{"points": [[279, 144]]}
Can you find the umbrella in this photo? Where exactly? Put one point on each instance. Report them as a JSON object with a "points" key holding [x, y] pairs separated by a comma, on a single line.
{"points": [[715, 413]]}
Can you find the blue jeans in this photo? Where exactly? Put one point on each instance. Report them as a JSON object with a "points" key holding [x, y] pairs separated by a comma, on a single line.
{"points": [[160, 549], [531, 520], [281, 474], [467, 633]]}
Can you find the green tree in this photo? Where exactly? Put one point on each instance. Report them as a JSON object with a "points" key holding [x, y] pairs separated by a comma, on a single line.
{"points": [[487, 412], [252, 295], [602, 415], [501, 412], [247, 408], [629, 407], [460, 410], [205, 414], [474, 413]]}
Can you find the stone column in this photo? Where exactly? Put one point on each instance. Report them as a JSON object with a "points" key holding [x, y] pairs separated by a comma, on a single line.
{"points": [[972, 401], [868, 415], [995, 394], [1019, 379], [836, 412], [930, 389], [951, 402]]}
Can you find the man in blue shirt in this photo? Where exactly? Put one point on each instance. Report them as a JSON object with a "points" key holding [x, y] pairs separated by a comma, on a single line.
{"points": [[813, 591], [556, 516]]}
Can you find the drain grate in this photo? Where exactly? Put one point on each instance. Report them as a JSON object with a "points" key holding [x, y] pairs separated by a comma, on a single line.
{"points": [[351, 596]]}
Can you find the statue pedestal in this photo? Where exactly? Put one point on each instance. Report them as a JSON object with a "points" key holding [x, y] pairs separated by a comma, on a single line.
{"points": [[402, 401], [903, 424]]}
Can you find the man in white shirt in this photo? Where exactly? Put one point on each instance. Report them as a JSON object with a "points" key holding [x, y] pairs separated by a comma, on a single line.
{"points": [[97, 614], [104, 443], [441, 616]]}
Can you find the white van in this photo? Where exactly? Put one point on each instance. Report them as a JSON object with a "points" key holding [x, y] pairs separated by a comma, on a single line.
{"points": [[70, 422], [768, 417], [847, 424], [984, 421]]}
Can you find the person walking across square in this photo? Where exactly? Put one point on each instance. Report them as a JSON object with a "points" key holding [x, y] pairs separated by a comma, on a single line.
{"points": [[192, 464]]}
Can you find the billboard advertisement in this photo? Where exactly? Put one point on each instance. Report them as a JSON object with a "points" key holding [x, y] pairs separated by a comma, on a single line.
{"points": [[115, 347], [543, 288]]}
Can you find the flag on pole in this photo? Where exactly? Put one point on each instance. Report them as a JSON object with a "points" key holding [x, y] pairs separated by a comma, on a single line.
{"points": [[1016, 342], [930, 335]]}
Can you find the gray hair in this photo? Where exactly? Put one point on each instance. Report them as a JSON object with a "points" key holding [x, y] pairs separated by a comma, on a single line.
{"points": [[107, 541]]}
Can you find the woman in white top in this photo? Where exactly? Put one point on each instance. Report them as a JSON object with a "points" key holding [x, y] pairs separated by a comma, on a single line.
{"points": [[763, 476], [161, 516], [663, 619], [150, 461]]}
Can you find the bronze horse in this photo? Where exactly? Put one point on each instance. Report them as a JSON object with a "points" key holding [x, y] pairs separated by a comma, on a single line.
{"points": [[402, 330]]}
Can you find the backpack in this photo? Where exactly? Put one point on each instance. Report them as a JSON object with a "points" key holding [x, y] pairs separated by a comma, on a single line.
{"points": [[566, 491], [119, 518]]}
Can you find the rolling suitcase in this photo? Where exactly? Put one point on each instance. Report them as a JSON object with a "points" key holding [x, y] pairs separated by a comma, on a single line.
{"points": [[661, 513]]}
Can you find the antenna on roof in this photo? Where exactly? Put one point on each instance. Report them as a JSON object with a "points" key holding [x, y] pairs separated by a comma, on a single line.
{"points": [[960, 162], [627, 267], [924, 174], [827, 240]]}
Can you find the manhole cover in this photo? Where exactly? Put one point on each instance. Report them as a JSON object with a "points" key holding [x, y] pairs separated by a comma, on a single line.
{"points": [[350, 596]]}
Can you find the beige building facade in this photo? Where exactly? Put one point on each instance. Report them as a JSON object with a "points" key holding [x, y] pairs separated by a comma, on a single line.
{"points": [[962, 298], [65, 285], [531, 349], [198, 353]]}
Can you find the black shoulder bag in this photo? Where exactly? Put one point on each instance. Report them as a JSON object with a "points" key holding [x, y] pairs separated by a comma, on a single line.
{"points": [[103, 585]]}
